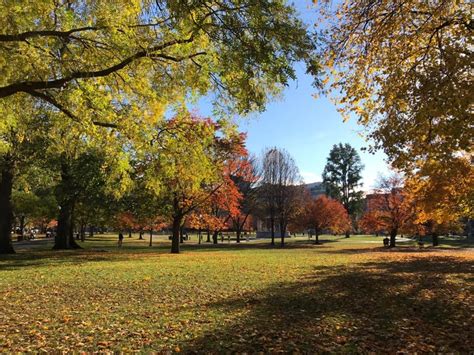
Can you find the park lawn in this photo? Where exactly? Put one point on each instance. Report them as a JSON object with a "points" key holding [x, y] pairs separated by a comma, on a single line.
{"points": [[345, 295]]}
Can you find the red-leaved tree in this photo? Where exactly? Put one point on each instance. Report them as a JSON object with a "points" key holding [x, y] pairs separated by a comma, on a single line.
{"points": [[326, 214], [388, 209]]}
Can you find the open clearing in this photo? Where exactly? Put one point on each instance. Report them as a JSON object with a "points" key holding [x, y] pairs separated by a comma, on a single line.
{"points": [[342, 295]]}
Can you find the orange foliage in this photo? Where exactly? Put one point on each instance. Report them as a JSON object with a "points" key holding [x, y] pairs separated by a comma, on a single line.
{"points": [[127, 221], [324, 213], [389, 209]]}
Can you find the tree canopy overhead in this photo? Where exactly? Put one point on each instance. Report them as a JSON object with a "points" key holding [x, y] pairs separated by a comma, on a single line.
{"points": [[93, 59], [405, 68]]}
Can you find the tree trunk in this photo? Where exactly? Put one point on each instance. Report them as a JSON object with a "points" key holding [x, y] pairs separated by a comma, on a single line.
{"points": [[435, 239], [64, 235], [208, 236], [181, 234], [71, 225], [215, 234], [130, 233], [238, 233], [6, 208], [199, 235], [282, 233], [316, 236], [348, 234], [272, 226], [175, 238], [83, 232], [393, 235], [91, 231], [151, 238], [140, 235]]}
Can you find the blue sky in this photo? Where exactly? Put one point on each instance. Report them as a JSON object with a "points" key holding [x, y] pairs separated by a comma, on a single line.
{"points": [[307, 127]]}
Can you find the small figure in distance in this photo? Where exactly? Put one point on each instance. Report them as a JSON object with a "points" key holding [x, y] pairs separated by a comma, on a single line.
{"points": [[120, 239]]}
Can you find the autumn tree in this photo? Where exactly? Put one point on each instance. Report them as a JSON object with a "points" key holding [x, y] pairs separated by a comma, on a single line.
{"points": [[138, 206], [186, 165], [404, 69], [279, 189], [117, 67], [22, 143], [326, 214], [299, 222], [390, 207], [370, 222], [444, 197], [125, 221], [224, 204], [245, 179], [89, 60], [342, 178]]}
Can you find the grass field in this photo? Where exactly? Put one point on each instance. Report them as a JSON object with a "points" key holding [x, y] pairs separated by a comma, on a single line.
{"points": [[345, 295]]}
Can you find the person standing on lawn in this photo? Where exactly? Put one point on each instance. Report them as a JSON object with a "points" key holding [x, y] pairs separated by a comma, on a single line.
{"points": [[120, 239]]}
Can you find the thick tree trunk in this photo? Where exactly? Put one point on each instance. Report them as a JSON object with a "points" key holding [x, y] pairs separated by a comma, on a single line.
{"points": [[6, 208], [140, 235], [151, 238], [199, 235], [435, 239], [64, 235], [393, 235], [215, 234], [175, 238], [208, 236], [91, 231], [238, 233], [348, 234], [129, 233]]}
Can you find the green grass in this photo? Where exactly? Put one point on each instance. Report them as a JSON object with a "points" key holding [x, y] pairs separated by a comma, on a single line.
{"points": [[345, 295]]}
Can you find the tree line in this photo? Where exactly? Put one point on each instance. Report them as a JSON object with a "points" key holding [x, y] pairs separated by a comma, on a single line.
{"points": [[94, 96]]}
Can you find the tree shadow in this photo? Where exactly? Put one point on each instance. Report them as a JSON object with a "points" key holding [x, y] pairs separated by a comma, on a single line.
{"points": [[224, 246], [407, 306], [397, 249], [46, 258]]}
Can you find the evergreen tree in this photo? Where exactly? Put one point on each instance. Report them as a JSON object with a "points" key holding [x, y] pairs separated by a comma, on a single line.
{"points": [[342, 178]]}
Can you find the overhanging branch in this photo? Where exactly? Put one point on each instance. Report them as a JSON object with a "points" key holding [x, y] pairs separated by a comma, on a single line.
{"points": [[29, 86]]}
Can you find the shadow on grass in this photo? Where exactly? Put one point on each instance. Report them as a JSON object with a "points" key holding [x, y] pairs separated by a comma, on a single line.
{"points": [[398, 249], [101, 249], [383, 307], [46, 258], [259, 245]]}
